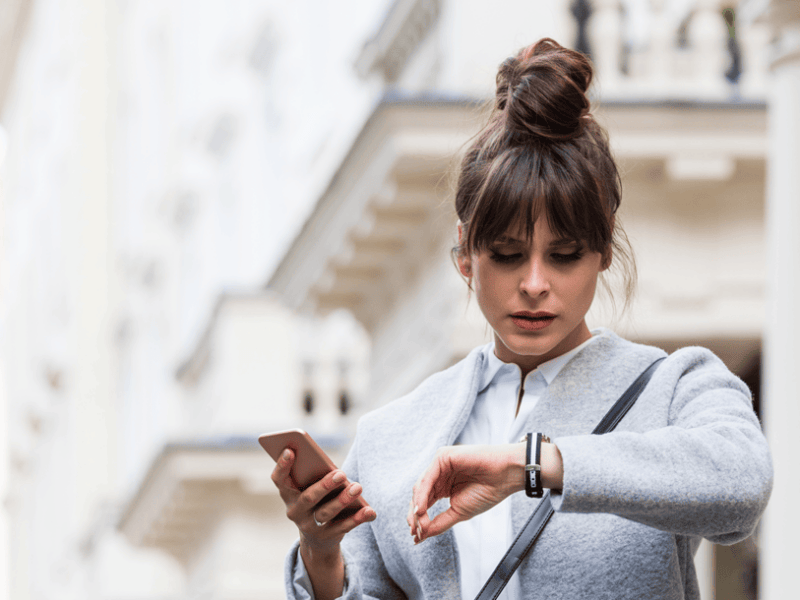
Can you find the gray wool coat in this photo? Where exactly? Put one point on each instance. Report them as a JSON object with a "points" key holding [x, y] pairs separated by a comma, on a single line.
{"points": [[689, 461]]}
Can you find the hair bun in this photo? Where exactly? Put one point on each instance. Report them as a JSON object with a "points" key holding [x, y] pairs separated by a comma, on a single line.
{"points": [[542, 91]]}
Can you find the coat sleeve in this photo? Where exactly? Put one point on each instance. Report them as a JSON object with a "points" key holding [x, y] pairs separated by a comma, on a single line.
{"points": [[708, 473], [366, 577]]}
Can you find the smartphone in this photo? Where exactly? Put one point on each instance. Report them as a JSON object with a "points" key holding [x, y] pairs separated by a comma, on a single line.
{"points": [[310, 464]]}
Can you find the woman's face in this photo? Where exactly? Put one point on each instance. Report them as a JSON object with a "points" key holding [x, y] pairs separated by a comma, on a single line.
{"points": [[535, 295]]}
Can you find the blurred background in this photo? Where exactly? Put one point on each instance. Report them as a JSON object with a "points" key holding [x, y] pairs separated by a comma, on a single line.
{"points": [[226, 218]]}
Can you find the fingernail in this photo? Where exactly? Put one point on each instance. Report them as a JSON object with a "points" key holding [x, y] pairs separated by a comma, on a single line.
{"points": [[419, 531], [286, 455], [354, 490], [416, 509], [339, 477]]}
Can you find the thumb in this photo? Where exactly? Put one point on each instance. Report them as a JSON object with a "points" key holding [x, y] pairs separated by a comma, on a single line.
{"points": [[441, 523]]}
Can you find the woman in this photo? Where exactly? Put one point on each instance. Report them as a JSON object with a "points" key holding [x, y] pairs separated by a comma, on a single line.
{"points": [[536, 198]]}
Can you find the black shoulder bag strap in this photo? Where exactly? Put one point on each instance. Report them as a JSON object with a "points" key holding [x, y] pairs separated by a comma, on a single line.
{"points": [[530, 532]]}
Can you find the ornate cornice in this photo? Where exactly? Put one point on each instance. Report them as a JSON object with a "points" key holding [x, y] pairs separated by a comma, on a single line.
{"points": [[370, 224], [406, 25]]}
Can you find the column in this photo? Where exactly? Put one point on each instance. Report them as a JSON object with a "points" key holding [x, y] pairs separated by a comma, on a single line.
{"points": [[4, 520], [708, 36], [605, 37], [87, 230], [661, 51], [781, 525]]}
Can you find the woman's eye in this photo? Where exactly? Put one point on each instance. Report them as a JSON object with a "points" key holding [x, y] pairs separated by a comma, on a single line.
{"points": [[505, 258], [565, 258]]}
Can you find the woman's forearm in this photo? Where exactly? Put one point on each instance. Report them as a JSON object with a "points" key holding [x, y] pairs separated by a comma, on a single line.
{"points": [[325, 570]]}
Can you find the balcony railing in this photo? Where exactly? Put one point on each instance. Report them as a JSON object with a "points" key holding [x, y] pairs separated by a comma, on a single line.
{"points": [[703, 53]]}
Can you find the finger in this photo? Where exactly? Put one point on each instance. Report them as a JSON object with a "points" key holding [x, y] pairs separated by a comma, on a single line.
{"points": [[419, 517], [282, 474], [331, 509], [339, 528], [423, 494], [413, 523], [423, 522], [313, 494]]}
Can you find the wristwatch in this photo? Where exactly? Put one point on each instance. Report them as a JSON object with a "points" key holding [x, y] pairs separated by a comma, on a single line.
{"points": [[533, 469]]}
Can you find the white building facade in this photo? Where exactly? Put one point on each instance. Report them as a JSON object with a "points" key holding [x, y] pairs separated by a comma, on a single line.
{"points": [[224, 219]]}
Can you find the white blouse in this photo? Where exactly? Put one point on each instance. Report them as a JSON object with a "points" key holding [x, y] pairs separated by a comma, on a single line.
{"points": [[493, 421]]}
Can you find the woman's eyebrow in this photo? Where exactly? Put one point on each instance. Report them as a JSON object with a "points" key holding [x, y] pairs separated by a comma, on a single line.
{"points": [[507, 239], [565, 242]]}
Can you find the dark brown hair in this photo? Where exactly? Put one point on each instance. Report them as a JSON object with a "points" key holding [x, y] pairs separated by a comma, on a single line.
{"points": [[543, 153]]}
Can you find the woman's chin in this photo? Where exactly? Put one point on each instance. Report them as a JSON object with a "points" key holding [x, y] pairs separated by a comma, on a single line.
{"points": [[512, 347]]}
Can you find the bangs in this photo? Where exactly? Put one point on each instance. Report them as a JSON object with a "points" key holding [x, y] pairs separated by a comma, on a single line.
{"points": [[522, 183]]}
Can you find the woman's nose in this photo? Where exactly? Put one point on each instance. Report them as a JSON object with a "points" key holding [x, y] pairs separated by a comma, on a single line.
{"points": [[535, 280]]}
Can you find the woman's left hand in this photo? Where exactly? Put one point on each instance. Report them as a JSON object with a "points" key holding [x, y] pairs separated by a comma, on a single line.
{"points": [[475, 478]]}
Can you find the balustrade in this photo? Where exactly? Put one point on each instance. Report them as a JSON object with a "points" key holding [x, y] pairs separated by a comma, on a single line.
{"points": [[700, 54]]}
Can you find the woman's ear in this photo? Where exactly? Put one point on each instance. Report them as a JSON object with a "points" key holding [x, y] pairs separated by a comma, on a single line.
{"points": [[463, 257], [465, 264]]}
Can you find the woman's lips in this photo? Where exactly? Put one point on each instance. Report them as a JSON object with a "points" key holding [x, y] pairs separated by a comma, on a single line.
{"points": [[530, 321]]}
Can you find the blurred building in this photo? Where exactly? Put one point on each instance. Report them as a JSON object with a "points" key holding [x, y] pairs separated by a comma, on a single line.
{"points": [[225, 219]]}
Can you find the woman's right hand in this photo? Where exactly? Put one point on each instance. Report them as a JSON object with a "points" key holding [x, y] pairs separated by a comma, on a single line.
{"points": [[318, 542]]}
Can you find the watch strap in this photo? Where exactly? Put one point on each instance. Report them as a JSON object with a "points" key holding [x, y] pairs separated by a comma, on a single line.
{"points": [[533, 468]]}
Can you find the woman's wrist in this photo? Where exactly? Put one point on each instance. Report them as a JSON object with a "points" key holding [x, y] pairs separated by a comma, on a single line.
{"points": [[517, 466], [552, 466], [325, 557], [325, 568]]}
